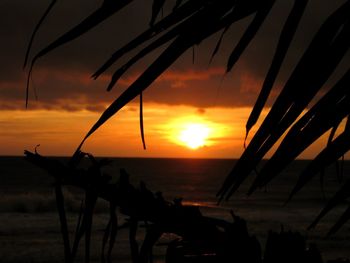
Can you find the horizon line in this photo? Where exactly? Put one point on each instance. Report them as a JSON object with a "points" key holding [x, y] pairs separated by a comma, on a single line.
{"points": [[154, 157]]}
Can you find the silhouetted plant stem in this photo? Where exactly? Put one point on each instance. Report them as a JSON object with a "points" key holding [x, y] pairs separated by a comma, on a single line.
{"points": [[63, 221]]}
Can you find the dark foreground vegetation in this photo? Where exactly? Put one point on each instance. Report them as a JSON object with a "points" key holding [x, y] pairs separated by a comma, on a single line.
{"points": [[198, 238]]}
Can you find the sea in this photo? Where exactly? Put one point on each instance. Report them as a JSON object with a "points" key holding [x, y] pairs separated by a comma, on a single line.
{"points": [[29, 223]]}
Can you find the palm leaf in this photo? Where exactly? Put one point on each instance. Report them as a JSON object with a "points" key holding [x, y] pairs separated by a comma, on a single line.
{"points": [[332, 108], [319, 61], [63, 221], [88, 215], [330, 154], [285, 40], [332, 133], [50, 7], [189, 8], [141, 123], [181, 28], [341, 221], [340, 196], [156, 7], [249, 34], [217, 47], [149, 48], [78, 235], [108, 8], [177, 4]]}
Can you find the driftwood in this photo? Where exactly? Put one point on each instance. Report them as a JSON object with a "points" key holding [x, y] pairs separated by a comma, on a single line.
{"points": [[202, 239]]}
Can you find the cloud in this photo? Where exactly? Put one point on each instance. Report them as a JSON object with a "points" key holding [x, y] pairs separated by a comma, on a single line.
{"points": [[74, 90], [62, 78]]}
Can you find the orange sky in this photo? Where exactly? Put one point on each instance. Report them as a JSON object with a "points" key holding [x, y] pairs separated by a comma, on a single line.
{"points": [[59, 132]]}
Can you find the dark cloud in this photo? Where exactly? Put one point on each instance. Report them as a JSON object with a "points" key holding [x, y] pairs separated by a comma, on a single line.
{"points": [[62, 78], [74, 90]]}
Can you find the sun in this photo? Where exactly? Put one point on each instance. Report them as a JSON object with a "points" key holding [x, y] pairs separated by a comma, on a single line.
{"points": [[194, 135]]}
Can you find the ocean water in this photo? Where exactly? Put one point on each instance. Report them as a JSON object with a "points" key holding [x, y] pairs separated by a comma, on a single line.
{"points": [[29, 227]]}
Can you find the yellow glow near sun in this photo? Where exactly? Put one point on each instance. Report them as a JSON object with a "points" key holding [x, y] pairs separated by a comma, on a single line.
{"points": [[194, 135], [194, 132]]}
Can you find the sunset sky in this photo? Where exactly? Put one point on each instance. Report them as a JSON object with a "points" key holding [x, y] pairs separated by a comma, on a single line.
{"points": [[187, 96]]}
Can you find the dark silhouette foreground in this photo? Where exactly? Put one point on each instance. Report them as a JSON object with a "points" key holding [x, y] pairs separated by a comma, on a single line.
{"points": [[201, 238]]}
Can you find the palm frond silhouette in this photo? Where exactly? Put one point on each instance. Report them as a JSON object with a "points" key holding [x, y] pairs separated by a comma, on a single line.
{"points": [[192, 21]]}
